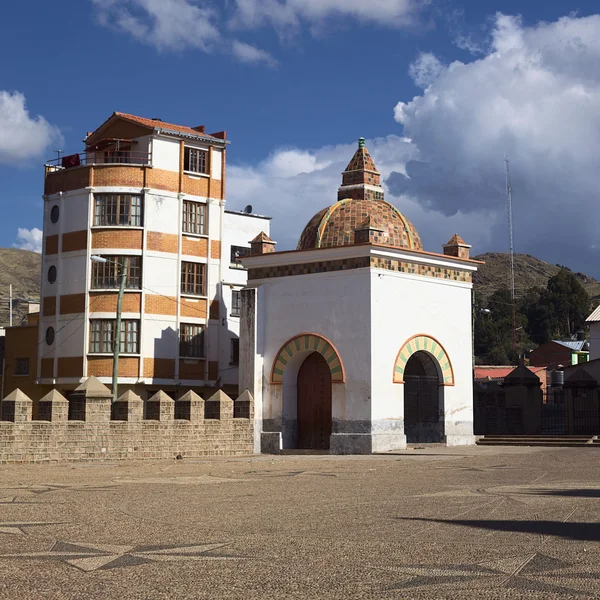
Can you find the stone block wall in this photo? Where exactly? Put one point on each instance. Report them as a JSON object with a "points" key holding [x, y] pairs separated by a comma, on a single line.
{"points": [[118, 431]]}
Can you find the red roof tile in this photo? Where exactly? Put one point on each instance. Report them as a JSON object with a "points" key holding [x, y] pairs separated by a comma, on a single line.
{"points": [[499, 372]]}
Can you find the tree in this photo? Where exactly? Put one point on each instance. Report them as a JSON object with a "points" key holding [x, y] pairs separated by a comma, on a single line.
{"points": [[559, 311]]}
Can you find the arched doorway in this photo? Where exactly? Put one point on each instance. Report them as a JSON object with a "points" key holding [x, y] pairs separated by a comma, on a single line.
{"points": [[423, 400], [314, 403]]}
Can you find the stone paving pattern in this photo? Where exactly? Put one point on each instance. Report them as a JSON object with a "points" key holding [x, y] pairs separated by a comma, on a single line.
{"points": [[477, 522]]}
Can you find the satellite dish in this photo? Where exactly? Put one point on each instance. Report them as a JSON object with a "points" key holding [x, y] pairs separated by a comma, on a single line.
{"points": [[248, 209]]}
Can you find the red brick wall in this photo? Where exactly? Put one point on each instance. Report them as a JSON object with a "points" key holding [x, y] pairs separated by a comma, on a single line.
{"points": [[162, 242], [70, 366], [194, 246], [160, 305], [49, 306], [119, 238], [193, 308], [159, 368], [51, 244], [107, 302], [101, 366], [74, 240], [71, 304]]}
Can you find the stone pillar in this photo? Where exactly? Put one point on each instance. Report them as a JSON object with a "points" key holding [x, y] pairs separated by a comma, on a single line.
{"points": [[160, 407], [262, 244], [53, 407], [91, 402], [190, 407], [129, 407], [250, 369], [17, 407], [243, 407], [219, 406]]}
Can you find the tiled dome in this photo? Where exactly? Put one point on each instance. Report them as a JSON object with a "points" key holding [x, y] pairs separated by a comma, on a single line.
{"points": [[335, 225], [361, 206]]}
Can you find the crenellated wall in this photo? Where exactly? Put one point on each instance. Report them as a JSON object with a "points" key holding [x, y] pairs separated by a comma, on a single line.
{"points": [[89, 427]]}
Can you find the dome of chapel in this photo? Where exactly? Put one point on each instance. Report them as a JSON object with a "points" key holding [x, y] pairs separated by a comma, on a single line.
{"points": [[360, 205]]}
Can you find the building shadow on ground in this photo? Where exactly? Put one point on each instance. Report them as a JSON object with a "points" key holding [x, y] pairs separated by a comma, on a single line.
{"points": [[585, 532], [569, 493]]}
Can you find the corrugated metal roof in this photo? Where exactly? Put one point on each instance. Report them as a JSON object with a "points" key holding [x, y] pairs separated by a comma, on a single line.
{"points": [[595, 316], [577, 346]]}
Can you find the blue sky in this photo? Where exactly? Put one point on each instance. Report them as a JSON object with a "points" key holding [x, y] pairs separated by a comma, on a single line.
{"points": [[295, 82]]}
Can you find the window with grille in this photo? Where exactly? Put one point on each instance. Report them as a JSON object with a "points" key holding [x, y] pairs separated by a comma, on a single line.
{"points": [[193, 278], [194, 217], [235, 352], [191, 341], [236, 299], [195, 161], [105, 276], [118, 209], [22, 366], [238, 252], [102, 332]]}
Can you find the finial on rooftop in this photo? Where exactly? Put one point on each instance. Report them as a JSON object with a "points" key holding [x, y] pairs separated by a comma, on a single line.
{"points": [[361, 142]]}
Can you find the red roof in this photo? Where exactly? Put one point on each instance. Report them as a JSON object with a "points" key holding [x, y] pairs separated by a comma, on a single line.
{"points": [[158, 124], [153, 123], [499, 372]]}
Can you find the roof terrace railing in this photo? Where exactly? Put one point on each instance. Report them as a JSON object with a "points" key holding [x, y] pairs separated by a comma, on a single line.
{"points": [[113, 157]]}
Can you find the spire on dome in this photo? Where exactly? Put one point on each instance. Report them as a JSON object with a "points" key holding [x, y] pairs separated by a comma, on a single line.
{"points": [[361, 180]]}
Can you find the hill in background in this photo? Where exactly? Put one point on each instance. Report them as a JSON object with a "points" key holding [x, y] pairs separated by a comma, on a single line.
{"points": [[22, 269], [529, 272]]}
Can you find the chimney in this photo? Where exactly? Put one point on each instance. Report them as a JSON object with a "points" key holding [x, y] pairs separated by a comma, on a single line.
{"points": [[456, 247], [262, 244]]}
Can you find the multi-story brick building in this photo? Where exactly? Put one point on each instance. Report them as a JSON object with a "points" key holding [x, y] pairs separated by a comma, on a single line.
{"points": [[150, 194]]}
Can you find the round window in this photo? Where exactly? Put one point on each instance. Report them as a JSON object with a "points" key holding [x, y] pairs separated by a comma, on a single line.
{"points": [[50, 336], [54, 212], [52, 274]]}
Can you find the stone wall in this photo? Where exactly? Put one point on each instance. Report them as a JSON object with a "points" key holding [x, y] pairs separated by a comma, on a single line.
{"points": [[89, 427]]}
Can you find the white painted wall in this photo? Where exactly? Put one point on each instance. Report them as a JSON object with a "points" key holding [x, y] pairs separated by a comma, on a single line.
{"points": [[161, 212], [165, 153], [217, 163], [594, 340], [238, 230], [334, 305], [405, 305]]}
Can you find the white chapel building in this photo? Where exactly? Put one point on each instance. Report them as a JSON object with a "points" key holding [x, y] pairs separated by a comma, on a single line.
{"points": [[359, 340]]}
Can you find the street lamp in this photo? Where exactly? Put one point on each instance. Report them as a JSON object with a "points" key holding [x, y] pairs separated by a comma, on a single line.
{"points": [[123, 268]]}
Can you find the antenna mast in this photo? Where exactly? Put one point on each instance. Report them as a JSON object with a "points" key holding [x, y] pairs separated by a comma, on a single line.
{"points": [[512, 251]]}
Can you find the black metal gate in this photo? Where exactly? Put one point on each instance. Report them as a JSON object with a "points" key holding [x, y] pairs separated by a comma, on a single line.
{"points": [[422, 409]]}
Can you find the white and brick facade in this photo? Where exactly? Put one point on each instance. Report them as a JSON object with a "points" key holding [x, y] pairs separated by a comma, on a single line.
{"points": [[138, 193]]}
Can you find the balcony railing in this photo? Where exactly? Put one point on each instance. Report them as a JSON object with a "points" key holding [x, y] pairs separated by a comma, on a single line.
{"points": [[70, 161]]}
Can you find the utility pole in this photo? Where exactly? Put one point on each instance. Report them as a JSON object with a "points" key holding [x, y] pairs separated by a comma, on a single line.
{"points": [[10, 302], [123, 269], [512, 254], [117, 338]]}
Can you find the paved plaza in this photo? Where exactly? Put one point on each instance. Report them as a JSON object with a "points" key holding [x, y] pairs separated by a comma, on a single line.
{"points": [[423, 523]]}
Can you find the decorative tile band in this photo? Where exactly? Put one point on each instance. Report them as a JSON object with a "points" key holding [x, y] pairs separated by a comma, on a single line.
{"points": [[359, 263], [312, 342], [427, 344]]}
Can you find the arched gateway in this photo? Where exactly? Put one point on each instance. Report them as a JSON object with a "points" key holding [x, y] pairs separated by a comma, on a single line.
{"points": [[307, 366], [424, 368]]}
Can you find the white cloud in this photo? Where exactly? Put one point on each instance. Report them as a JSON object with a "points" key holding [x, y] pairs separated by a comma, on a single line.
{"points": [[173, 25], [292, 185], [165, 24], [284, 15], [425, 69], [536, 96], [29, 239], [22, 136], [249, 54]]}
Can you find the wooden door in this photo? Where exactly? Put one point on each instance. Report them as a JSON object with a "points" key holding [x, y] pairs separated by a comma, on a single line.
{"points": [[314, 403]]}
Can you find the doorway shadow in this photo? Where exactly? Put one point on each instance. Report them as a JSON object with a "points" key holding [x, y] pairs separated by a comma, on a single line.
{"points": [[584, 532]]}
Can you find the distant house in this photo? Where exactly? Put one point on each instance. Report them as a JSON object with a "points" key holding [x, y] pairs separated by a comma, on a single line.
{"points": [[488, 373], [594, 321], [558, 352]]}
